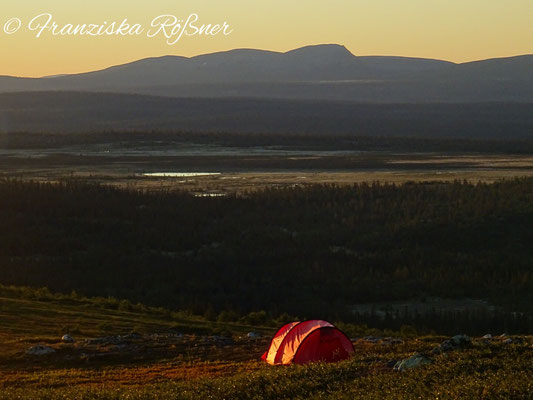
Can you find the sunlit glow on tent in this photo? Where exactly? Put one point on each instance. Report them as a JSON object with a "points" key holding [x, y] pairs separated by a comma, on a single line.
{"points": [[308, 341]]}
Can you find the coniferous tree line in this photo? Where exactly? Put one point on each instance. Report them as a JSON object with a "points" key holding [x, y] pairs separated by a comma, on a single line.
{"points": [[310, 251]]}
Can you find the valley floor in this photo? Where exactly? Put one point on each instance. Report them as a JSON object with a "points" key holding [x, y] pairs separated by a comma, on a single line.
{"points": [[243, 171]]}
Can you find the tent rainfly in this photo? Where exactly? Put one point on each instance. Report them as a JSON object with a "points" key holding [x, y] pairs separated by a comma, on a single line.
{"points": [[308, 341]]}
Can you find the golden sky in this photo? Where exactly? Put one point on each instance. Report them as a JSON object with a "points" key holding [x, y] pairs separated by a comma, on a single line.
{"points": [[456, 30]]}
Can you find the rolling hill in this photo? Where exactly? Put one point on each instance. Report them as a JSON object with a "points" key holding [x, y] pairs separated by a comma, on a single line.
{"points": [[327, 72]]}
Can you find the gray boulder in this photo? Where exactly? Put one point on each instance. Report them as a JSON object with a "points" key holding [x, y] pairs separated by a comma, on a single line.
{"points": [[40, 350], [67, 339], [461, 340], [415, 361], [454, 343]]}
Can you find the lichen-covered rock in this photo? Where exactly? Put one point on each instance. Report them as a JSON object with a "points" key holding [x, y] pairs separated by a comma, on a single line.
{"points": [[40, 350], [415, 361], [461, 340], [454, 343]]}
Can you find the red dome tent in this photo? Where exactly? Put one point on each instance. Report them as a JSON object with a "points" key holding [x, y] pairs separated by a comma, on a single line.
{"points": [[308, 341]]}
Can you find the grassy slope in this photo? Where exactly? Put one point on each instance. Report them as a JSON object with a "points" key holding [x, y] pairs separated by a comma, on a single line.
{"points": [[30, 317], [191, 367], [89, 318]]}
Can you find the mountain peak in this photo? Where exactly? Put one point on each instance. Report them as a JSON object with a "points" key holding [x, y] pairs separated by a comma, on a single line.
{"points": [[322, 50]]}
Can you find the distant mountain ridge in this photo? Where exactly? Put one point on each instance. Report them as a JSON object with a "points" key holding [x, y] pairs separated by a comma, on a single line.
{"points": [[321, 72]]}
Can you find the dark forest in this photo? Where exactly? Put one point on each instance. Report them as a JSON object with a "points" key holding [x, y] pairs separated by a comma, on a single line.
{"points": [[309, 251]]}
